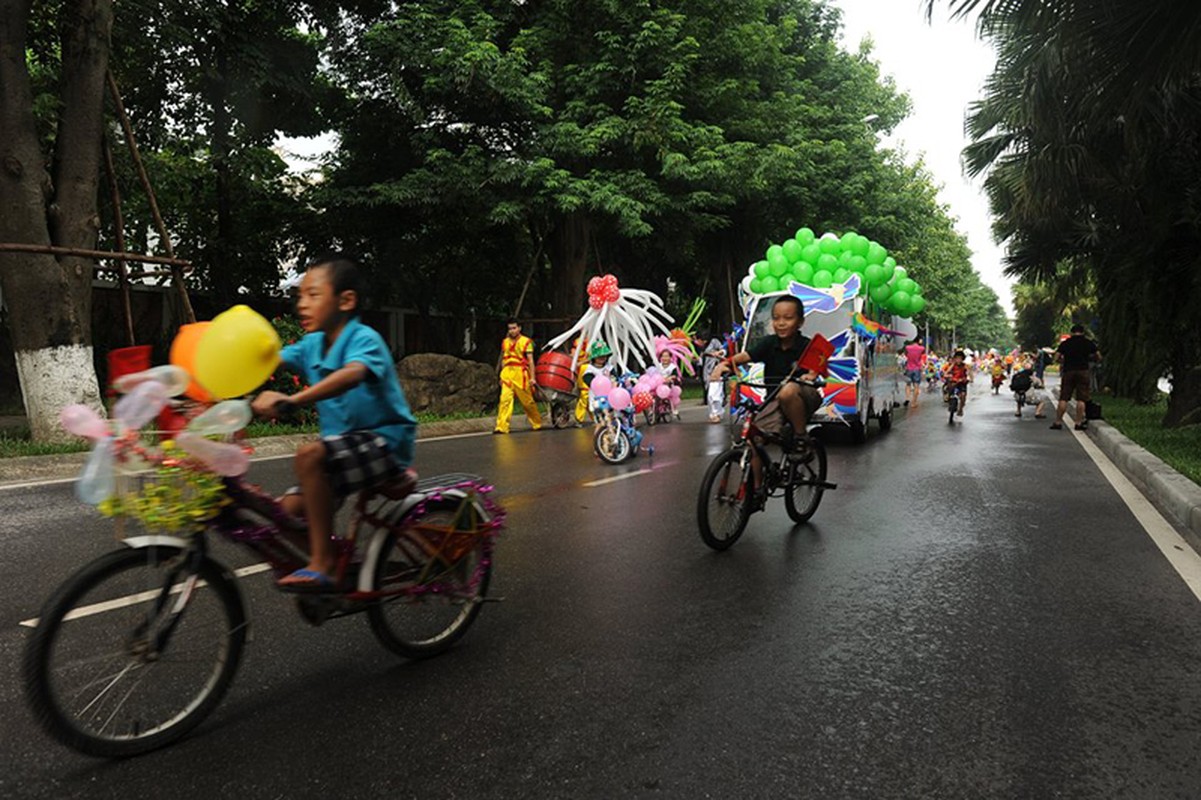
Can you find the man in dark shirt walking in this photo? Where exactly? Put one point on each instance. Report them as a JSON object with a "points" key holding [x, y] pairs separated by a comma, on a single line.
{"points": [[1074, 356]]}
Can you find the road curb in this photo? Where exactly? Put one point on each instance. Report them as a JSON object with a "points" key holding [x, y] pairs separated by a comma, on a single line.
{"points": [[1174, 495]]}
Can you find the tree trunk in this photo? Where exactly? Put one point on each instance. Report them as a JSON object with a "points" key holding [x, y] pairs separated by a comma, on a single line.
{"points": [[49, 299], [571, 245], [1184, 403]]}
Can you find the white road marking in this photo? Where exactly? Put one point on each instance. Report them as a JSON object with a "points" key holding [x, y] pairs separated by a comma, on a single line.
{"points": [[456, 436], [35, 484], [140, 597], [1175, 549], [616, 478]]}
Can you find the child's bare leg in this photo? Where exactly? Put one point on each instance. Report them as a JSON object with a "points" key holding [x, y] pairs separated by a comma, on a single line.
{"points": [[293, 504], [318, 501], [793, 406]]}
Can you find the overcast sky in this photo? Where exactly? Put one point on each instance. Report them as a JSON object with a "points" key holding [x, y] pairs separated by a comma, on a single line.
{"points": [[942, 67]]}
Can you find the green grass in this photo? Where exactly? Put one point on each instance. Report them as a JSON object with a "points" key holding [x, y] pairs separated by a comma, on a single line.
{"points": [[1180, 448], [16, 443], [259, 430]]}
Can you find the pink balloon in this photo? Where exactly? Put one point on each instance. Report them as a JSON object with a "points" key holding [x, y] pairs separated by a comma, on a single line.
{"points": [[655, 380], [676, 392], [641, 387], [141, 405], [221, 457], [663, 391], [620, 399], [601, 386], [83, 421]]}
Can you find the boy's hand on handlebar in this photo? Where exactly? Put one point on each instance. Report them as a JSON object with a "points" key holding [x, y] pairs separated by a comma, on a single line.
{"points": [[269, 404]]}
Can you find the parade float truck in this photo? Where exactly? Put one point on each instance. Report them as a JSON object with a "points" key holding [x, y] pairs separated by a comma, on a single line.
{"points": [[855, 306]]}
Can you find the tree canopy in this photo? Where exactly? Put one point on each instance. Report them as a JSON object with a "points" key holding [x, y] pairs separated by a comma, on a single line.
{"points": [[493, 153]]}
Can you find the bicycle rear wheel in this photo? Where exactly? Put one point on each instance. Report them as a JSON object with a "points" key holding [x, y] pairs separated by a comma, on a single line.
{"points": [[805, 490], [723, 506], [131, 652], [441, 565]]}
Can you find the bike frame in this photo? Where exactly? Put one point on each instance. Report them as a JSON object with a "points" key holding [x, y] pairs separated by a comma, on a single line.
{"points": [[274, 535]]}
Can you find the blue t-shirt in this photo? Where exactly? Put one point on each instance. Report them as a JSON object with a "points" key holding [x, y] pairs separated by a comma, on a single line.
{"points": [[377, 404]]}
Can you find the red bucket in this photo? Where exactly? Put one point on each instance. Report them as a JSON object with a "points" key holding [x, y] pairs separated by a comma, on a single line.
{"points": [[126, 361], [553, 371]]}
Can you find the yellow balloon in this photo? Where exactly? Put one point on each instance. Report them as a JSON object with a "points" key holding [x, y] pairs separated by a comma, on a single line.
{"points": [[237, 353]]}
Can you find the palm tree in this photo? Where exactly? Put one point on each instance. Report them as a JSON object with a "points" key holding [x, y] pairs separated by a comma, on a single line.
{"points": [[1088, 132]]}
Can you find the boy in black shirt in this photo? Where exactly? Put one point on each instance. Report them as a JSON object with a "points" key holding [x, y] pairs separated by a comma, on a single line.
{"points": [[779, 354]]}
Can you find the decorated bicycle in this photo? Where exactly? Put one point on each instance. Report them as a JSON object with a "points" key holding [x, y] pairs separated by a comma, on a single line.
{"points": [[616, 402], [138, 647], [625, 323]]}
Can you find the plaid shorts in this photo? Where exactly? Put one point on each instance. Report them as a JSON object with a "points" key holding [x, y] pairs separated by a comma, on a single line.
{"points": [[356, 460]]}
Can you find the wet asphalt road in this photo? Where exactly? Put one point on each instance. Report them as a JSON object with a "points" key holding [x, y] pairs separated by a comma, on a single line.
{"points": [[974, 612]]}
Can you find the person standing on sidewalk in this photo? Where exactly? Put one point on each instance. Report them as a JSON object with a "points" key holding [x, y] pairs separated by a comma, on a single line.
{"points": [[1074, 355], [516, 368]]}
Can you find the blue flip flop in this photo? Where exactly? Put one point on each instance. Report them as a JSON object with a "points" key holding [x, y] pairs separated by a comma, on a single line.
{"points": [[314, 582]]}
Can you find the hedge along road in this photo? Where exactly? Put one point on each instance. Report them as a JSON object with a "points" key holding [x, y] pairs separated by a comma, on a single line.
{"points": [[975, 609]]}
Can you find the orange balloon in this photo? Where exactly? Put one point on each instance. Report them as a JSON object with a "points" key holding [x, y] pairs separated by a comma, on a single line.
{"points": [[183, 354]]}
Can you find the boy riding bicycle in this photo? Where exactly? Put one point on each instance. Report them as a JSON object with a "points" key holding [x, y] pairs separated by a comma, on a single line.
{"points": [[958, 377], [779, 353], [367, 429]]}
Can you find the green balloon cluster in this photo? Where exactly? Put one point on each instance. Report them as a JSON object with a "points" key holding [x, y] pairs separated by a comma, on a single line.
{"points": [[832, 258]]}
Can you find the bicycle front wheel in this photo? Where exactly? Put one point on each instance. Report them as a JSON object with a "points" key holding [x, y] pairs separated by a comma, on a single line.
{"points": [[805, 488], [723, 506], [133, 651], [436, 569], [611, 444], [953, 405]]}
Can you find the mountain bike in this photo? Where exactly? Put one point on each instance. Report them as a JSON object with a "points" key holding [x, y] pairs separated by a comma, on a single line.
{"points": [[135, 649], [792, 466]]}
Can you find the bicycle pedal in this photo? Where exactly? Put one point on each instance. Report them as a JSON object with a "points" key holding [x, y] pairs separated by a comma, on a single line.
{"points": [[827, 485]]}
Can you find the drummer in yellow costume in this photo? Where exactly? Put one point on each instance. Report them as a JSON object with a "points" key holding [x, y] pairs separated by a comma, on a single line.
{"points": [[516, 378]]}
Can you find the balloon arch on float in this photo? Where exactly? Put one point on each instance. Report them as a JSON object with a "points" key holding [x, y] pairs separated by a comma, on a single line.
{"points": [[830, 261]]}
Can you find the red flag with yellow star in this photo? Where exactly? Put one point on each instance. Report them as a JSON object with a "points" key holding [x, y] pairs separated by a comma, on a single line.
{"points": [[817, 355]]}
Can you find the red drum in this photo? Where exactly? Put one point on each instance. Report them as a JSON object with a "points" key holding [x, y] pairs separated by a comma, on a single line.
{"points": [[553, 371]]}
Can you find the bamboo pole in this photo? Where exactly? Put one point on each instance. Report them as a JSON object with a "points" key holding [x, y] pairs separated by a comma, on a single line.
{"points": [[176, 273], [119, 239], [55, 250]]}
